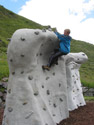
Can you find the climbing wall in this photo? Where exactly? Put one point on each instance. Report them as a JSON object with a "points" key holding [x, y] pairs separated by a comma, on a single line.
{"points": [[74, 86], [34, 96]]}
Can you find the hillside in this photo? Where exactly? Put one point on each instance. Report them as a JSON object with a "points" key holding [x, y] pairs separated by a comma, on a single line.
{"points": [[9, 22]]}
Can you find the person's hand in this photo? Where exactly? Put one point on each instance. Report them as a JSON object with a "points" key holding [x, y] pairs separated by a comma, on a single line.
{"points": [[55, 30]]}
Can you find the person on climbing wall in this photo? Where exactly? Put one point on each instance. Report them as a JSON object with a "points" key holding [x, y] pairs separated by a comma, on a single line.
{"points": [[64, 48]]}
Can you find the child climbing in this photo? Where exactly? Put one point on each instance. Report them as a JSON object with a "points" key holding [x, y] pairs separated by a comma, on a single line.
{"points": [[64, 48]]}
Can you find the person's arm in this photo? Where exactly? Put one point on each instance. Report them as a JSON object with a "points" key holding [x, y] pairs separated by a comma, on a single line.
{"points": [[60, 37]]}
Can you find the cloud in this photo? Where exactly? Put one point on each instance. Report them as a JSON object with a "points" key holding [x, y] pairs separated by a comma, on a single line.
{"points": [[62, 14]]}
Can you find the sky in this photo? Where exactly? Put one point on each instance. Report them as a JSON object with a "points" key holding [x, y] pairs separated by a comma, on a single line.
{"points": [[76, 15]]}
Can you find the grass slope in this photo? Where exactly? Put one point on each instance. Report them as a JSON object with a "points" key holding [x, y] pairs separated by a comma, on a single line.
{"points": [[87, 69], [10, 22]]}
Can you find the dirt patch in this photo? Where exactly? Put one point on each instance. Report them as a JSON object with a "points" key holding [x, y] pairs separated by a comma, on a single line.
{"points": [[81, 116]]}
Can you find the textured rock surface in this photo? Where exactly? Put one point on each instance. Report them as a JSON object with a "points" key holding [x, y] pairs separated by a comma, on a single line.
{"points": [[34, 96], [75, 93]]}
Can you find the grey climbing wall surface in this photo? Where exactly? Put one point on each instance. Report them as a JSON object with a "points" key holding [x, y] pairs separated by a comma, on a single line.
{"points": [[34, 96], [74, 86]]}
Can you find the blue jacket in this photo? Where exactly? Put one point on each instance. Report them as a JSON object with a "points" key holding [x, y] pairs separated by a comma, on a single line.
{"points": [[64, 42]]}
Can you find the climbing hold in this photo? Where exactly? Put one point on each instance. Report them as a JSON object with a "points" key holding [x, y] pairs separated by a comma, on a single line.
{"points": [[61, 99], [48, 92], [47, 78], [40, 54], [54, 105], [11, 60], [59, 84], [29, 115], [54, 115], [10, 109], [75, 82], [22, 72], [30, 77], [24, 103], [23, 39], [36, 32], [9, 91], [36, 93], [13, 73], [44, 109], [83, 54], [42, 86], [22, 55], [53, 73], [43, 30]]}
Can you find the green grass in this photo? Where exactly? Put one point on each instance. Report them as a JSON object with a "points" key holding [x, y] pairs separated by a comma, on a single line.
{"points": [[4, 69], [89, 98], [87, 69]]}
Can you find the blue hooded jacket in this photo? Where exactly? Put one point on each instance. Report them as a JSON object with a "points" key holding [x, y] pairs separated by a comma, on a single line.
{"points": [[64, 42]]}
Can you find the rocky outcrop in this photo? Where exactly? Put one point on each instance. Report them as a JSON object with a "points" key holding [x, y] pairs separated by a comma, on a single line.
{"points": [[34, 96]]}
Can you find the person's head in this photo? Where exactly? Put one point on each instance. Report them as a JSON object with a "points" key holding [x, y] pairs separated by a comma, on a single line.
{"points": [[67, 32]]}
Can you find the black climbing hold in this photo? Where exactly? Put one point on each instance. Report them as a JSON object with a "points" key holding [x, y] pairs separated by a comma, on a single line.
{"points": [[83, 54], [36, 32], [9, 91], [22, 72], [13, 73], [61, 99], [53, 73], [54, 105], [24, 103], [59, 84], [48, 92], [42, 86], [11, 60], [22, 55], [54, 115], [10, 109], [43, 30], [23, 39], [30, 77], [36, 93], [44, 109], [47, 78], [40, 54]]}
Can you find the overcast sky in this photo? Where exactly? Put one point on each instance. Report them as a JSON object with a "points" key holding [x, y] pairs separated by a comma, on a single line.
{"points": [[77, 15]]}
